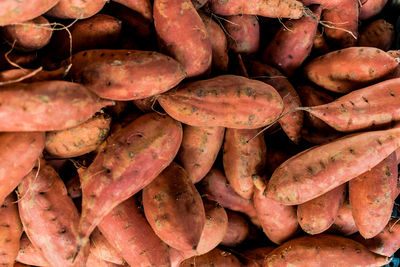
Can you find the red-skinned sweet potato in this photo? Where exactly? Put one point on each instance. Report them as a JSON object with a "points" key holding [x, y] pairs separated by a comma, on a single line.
{"points": [[125, 74], [199, 149], [76, 9], [227, 100], [371, 8], [215, 257], [243, 33], [132, 158], [102, 249], [143, 7], [344, 223], [28, 254], [237, 230], [379, 34]]}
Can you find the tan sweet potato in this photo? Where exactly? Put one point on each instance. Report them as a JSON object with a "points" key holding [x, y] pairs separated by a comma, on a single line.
{"points": [[317, 215], [125, 74], [323, 250], [237, 230], [344, 223], [243, 160], [143, 7], [216, 258], [78, 140], [243, 33], [371, 8], [379, 34], [102, 249], [76, 9], [182, 35], [131, 159], [199, 149], [227, 100], [28, 254]]}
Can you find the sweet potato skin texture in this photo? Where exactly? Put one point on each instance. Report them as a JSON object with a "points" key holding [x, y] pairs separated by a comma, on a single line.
{"points": [[19, 153], [76, 9], [132, 158], [50, 218], [330, 165], [379, 34], [317, 215], [128, 231], [344, 223], [323, 250], [102, 249], [182, 35], [332, 71], [174, 209], [10, 231], [78, 140], [199, 149], [125, 74], [371, 8], [237, 230], [228, 100], [372, 196], [215, 257], [46, 106], [243, 33]]}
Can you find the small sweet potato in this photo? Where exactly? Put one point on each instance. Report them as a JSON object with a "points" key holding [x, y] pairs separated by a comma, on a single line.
{"points": [[80, 139], [237, 230], [199, 149], [379, 34], [344, 223], [143, 7], [371, 8], [76, 9], [243, 33], [102, 249], [215, 257], [28, 254]]}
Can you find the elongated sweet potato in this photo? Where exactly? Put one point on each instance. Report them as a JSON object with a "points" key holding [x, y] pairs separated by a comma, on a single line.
{"points": [[320, 169], [372, 196], [46, 106], [344, 223], [125, 74], [20, 11], [289, 48], [371, 8], [76, 9], [50, 218], [237, 230], [199, 149], [228, 100], [19, 153], [78, 140], [317, 215], [243, 160], [182, 35], [215, 257], [332, 71], [132, 158], [143, 7], [270, 8], [102, 249], [10, 231], [323, 250], [28, 254], [243, 33], [174, 208], [379, 34], [291, 124]]}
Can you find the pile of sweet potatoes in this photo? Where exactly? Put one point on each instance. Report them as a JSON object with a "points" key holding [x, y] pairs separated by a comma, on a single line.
{"points": [[173, 133]]}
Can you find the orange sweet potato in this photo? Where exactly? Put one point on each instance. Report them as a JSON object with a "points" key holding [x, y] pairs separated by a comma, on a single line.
{"points": [[317, 215], [332, 71], [143, 7], [125, 74], [78, 140], [372, 196], [371, 8], [216, 258], [182, 35], [243, 33], [320, 169], [243, 160], [199, 149], [323, 250], [379, 34], [76, 9], [28, 254], [50, 218], [237, 230], [10, 231], [344, 223], [227, 100], [131, 159], [102, 249]]}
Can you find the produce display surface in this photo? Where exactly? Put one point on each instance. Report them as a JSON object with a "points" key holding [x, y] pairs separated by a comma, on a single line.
{"points": [[200, 133]]}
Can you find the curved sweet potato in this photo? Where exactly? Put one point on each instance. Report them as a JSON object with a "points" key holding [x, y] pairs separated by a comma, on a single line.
{"points": [[28, 254], [243, 33], [237, 230], [216, 258], [379, 34], [102, 249], [76, 9]]}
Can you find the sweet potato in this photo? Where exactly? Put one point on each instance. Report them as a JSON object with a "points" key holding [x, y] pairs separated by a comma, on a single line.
{"points": [[291, 124], [228, 100], [182, 35], [30, 75], [76, 9], [293, 43], [333, 71], [143, 7], [216, 258], [28, 254], [325, 4], [243, 33], [28, 36], [255, 257], [199, 149], [132, 158], [93, 261], [46, 106], [279, 222], [320, 169], [25, 60], [342, 23], [174, 208], [125, 74], [317, 215], [371, 8], [78, 140], [10, 231], [372, 196], [379, 34], [270, 8], [243, 160], [320, 45], [19, 153], [344, 222], [19, 11], [386, 243], [237, 230], [102, 249], [323, 250], [396, 72], [50, 218]]}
